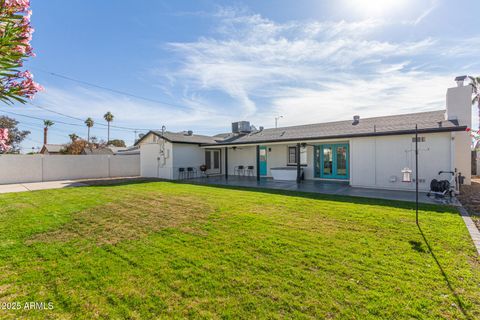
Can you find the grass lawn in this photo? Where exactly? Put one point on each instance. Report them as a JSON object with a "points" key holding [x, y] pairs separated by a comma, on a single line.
{"points": [[167, 250]]}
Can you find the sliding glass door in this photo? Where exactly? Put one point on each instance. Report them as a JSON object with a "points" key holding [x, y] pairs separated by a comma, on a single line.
{"points": [[331, 161]]}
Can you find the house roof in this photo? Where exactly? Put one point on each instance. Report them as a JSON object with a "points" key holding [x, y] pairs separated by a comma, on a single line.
{"points": [[182, 137], [433, 121], [52, 148]]}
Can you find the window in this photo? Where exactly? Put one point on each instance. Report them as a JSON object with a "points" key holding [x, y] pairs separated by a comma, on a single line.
{"points": [[292, 155]]}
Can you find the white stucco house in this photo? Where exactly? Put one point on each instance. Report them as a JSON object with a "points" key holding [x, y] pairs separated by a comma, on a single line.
{"points": [[370, 152]]}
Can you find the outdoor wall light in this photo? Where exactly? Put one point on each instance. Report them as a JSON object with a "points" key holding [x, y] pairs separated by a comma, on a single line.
{"points": [[406, 175]]}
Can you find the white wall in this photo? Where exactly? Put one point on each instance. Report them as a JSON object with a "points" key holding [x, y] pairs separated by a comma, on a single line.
{"points": [[153, 164], [37, 168], [377, 160], [242, 156], [188, 155]]}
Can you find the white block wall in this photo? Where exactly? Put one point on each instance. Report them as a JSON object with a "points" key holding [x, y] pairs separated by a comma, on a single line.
{"points": [[374, 162], [37, 168]]}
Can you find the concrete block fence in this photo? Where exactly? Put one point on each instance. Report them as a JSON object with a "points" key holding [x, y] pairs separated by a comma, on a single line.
{"points": [[38, 168]]}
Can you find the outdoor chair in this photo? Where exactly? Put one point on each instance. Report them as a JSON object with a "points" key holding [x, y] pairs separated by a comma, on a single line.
{"points": [[181, 173], [191, 172], [240, 170], [250, 171]]}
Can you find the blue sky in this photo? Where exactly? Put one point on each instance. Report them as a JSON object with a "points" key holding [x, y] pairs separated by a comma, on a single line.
{"points": [[208, 63]]}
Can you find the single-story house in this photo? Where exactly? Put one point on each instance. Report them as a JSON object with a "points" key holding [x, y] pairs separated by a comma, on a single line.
{"points": [[52, 149], [370, 152]]}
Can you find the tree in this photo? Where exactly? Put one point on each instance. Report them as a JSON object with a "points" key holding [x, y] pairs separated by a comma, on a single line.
{"points": [[109, 118], [75, 147], [15, 136], [117, 143], [89, 122], [73, 137], [15, 36], [47, 124], [475, 82]]}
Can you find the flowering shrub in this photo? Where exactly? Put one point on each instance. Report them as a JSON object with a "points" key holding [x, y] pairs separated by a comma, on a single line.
{"points": [[15, 36], [3, 140]]}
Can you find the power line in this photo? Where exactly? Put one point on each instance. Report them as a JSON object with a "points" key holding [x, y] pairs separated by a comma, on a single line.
{"points": [[116, 128], [111, 89], [82, 120]]}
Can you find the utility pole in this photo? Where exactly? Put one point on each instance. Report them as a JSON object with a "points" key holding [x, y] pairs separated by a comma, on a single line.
{"points": [[416, 174]]}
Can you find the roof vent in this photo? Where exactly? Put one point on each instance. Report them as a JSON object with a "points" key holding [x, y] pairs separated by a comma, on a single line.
{"points": [[260, 128], [189, 133], [356, 120]]}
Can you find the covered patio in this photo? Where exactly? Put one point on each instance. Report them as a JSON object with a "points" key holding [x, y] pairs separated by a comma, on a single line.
{"points": [[315, 186]]}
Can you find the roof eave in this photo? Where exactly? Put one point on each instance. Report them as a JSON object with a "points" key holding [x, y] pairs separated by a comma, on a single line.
{"points": [[344, 136]]}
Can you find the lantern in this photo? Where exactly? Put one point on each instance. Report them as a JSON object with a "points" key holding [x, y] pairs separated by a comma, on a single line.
{"points": [[406, 175]]}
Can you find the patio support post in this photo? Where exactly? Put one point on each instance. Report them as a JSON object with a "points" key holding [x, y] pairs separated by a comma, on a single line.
{"points": [[299, 175], [226, 163], [258, 163]]}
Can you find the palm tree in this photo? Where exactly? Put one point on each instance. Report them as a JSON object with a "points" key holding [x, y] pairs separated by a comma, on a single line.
{"points": [[73, 137], [89, 122], [475, 82], [109, 118], [47, 124]]}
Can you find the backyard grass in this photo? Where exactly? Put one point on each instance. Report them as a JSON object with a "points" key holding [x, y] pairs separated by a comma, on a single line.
{"points": [[168, 250]]}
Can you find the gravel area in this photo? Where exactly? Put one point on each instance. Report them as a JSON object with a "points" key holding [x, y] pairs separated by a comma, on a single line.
{"points": [[470, 199]]}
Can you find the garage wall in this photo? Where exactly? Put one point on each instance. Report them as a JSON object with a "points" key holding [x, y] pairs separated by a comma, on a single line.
{"points": [[378, 161], [37, 168]]}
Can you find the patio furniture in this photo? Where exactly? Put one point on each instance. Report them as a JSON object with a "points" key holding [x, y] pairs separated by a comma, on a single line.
{"points": [[181, 173], [191, 172], [240, 170], [250, 171], [203, 171]]}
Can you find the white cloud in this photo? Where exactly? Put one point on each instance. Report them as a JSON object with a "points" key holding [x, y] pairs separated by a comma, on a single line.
{"points": [[309, 71]]}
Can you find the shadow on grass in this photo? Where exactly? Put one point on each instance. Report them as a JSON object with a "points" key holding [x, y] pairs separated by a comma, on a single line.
{"points": [[445, 276], [302, 194]]}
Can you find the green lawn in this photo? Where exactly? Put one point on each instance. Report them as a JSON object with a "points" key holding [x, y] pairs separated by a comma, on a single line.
{"points": [[167, 250]]}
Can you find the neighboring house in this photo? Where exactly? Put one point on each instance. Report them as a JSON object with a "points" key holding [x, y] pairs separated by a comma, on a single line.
{"points": [[111, 150], [97, 151], [52, 149], [135, 150], [369, 152]]}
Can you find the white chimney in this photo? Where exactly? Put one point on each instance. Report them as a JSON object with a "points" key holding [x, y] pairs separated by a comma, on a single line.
{"points": [[460, 80], [459, 103]]}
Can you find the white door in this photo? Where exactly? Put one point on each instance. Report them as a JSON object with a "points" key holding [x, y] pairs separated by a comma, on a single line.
{"points": [[212, 161]]}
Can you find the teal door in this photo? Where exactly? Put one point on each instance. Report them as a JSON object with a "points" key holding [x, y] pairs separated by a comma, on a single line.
{"points": [[263, 160], [332, 161]]}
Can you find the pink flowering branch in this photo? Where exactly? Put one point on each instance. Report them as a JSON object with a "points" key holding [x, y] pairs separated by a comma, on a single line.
{"points": [[15, 36], [4, 147]]}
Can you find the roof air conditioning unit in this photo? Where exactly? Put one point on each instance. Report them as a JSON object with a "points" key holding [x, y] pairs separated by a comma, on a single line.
{"points": [[241, 127]]}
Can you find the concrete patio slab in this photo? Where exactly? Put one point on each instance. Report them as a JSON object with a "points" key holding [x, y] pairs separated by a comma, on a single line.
{"points": [[324, 187]]}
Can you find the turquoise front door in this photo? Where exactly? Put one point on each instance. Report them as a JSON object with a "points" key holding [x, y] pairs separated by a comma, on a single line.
{"points": [[263, 160], [332, 161]]}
